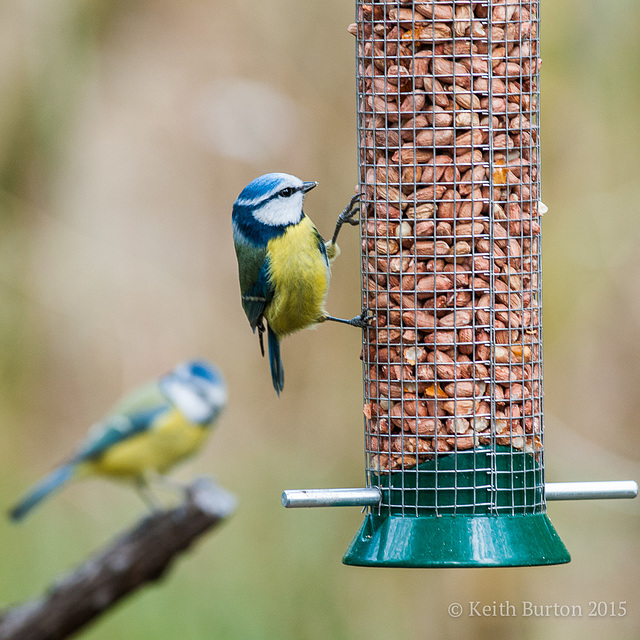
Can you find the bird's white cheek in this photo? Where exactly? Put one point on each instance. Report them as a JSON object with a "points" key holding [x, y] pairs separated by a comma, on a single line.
{"points": [[217, 396], [280, 211], [188, 402]]}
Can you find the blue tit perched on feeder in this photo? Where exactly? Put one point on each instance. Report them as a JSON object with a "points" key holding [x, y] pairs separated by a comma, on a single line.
{"points": [[283, 262], [147, 433]]}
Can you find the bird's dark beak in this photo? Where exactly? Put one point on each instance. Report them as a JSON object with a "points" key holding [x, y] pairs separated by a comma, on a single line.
{"points": [[307, 186]]}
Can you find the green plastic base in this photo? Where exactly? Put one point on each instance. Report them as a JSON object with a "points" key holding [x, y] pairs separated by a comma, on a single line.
{"points": [[456, 541], [478, 508]]}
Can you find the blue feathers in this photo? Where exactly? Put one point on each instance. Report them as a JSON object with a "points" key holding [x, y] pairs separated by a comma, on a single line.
{"points": [[260, 189], [277, 370], [255, 300], [54, 481], [117, 429], [202, 369], [248, 230]]}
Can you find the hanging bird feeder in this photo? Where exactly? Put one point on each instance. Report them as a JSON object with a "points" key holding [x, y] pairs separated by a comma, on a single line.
{"points": [[449, 159]]}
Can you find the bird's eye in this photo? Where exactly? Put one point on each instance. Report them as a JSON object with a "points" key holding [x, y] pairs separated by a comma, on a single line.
{"points": [[287, 191]]}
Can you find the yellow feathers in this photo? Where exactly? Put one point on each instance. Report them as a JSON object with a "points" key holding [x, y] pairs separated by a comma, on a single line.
{"points": [[169, 440], [300, 275]]}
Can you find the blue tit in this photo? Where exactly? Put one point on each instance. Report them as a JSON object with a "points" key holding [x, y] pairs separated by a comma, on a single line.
{"points": [[147, 433], [283, 262]]}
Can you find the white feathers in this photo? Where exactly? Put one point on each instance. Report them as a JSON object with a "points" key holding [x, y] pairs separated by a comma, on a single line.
{"points": [[280, 211], [198, 398], [217, 396], [188, 401]]}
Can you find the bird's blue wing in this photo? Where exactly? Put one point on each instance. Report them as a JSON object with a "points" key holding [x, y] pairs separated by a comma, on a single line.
{"points": [[255, 300], [133, 415], [255, 285], [117, 429]]}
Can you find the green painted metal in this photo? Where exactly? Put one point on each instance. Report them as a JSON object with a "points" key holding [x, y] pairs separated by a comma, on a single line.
{"points": [[481, 508], [456, 541]]}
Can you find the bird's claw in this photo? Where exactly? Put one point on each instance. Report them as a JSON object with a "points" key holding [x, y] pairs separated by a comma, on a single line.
{"points": [[350, 211], [364, 320], [348, 216]]}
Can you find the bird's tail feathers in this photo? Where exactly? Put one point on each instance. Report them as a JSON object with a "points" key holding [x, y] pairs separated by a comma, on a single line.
{"points": [[48, 485], [277, 370]]}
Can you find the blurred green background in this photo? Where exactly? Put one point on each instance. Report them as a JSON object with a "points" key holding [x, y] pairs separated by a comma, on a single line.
{"points": [[126, 131]]}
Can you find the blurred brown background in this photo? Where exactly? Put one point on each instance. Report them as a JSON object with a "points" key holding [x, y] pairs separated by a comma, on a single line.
{"points": [[126, 131]]}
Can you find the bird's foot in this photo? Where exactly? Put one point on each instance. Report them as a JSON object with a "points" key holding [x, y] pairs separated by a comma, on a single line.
{"points": [[362, 321], [350, 211], [348, 216]]}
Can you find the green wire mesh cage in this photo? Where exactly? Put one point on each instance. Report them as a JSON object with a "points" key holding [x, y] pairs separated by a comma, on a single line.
{"points": [[448, 114]]}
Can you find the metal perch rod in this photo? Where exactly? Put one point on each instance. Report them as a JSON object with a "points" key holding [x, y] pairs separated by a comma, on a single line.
{"points": [[591, 490], [371, 497]]}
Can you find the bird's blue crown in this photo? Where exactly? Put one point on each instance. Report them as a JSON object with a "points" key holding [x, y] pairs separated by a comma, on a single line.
{"points": [[264, 188], [202, 369]]}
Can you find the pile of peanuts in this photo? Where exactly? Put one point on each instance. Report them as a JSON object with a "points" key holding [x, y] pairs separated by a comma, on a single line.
{"points": [[448, 143]]}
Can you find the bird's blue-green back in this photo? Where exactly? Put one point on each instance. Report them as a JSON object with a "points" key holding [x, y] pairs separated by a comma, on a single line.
{"points": [[134, 414]]}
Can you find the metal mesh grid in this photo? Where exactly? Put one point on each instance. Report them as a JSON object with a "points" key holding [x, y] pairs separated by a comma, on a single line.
{"points": [[449, 172]]}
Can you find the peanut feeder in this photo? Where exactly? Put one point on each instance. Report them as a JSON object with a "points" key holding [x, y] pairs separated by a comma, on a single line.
{"points": [[449, 159]]}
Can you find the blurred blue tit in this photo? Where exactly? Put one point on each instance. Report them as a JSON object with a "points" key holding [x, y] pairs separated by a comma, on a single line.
{"points": [[283, 262], [146, 434]]}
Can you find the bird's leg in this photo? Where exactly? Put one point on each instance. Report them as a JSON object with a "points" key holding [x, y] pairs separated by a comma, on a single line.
{"points": [[149, 478], [170, 483], [362, 321], [347, 216], [147, 496]]}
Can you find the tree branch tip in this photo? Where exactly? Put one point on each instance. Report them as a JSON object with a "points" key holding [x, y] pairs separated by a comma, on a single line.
{"points": [[210, 498]]}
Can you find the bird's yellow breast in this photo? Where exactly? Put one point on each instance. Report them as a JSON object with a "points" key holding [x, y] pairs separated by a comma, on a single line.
{"points": [[300, 276], [171, 439]]}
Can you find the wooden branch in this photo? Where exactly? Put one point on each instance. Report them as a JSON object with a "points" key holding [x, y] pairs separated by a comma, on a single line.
{"points": [[134, 558]]}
